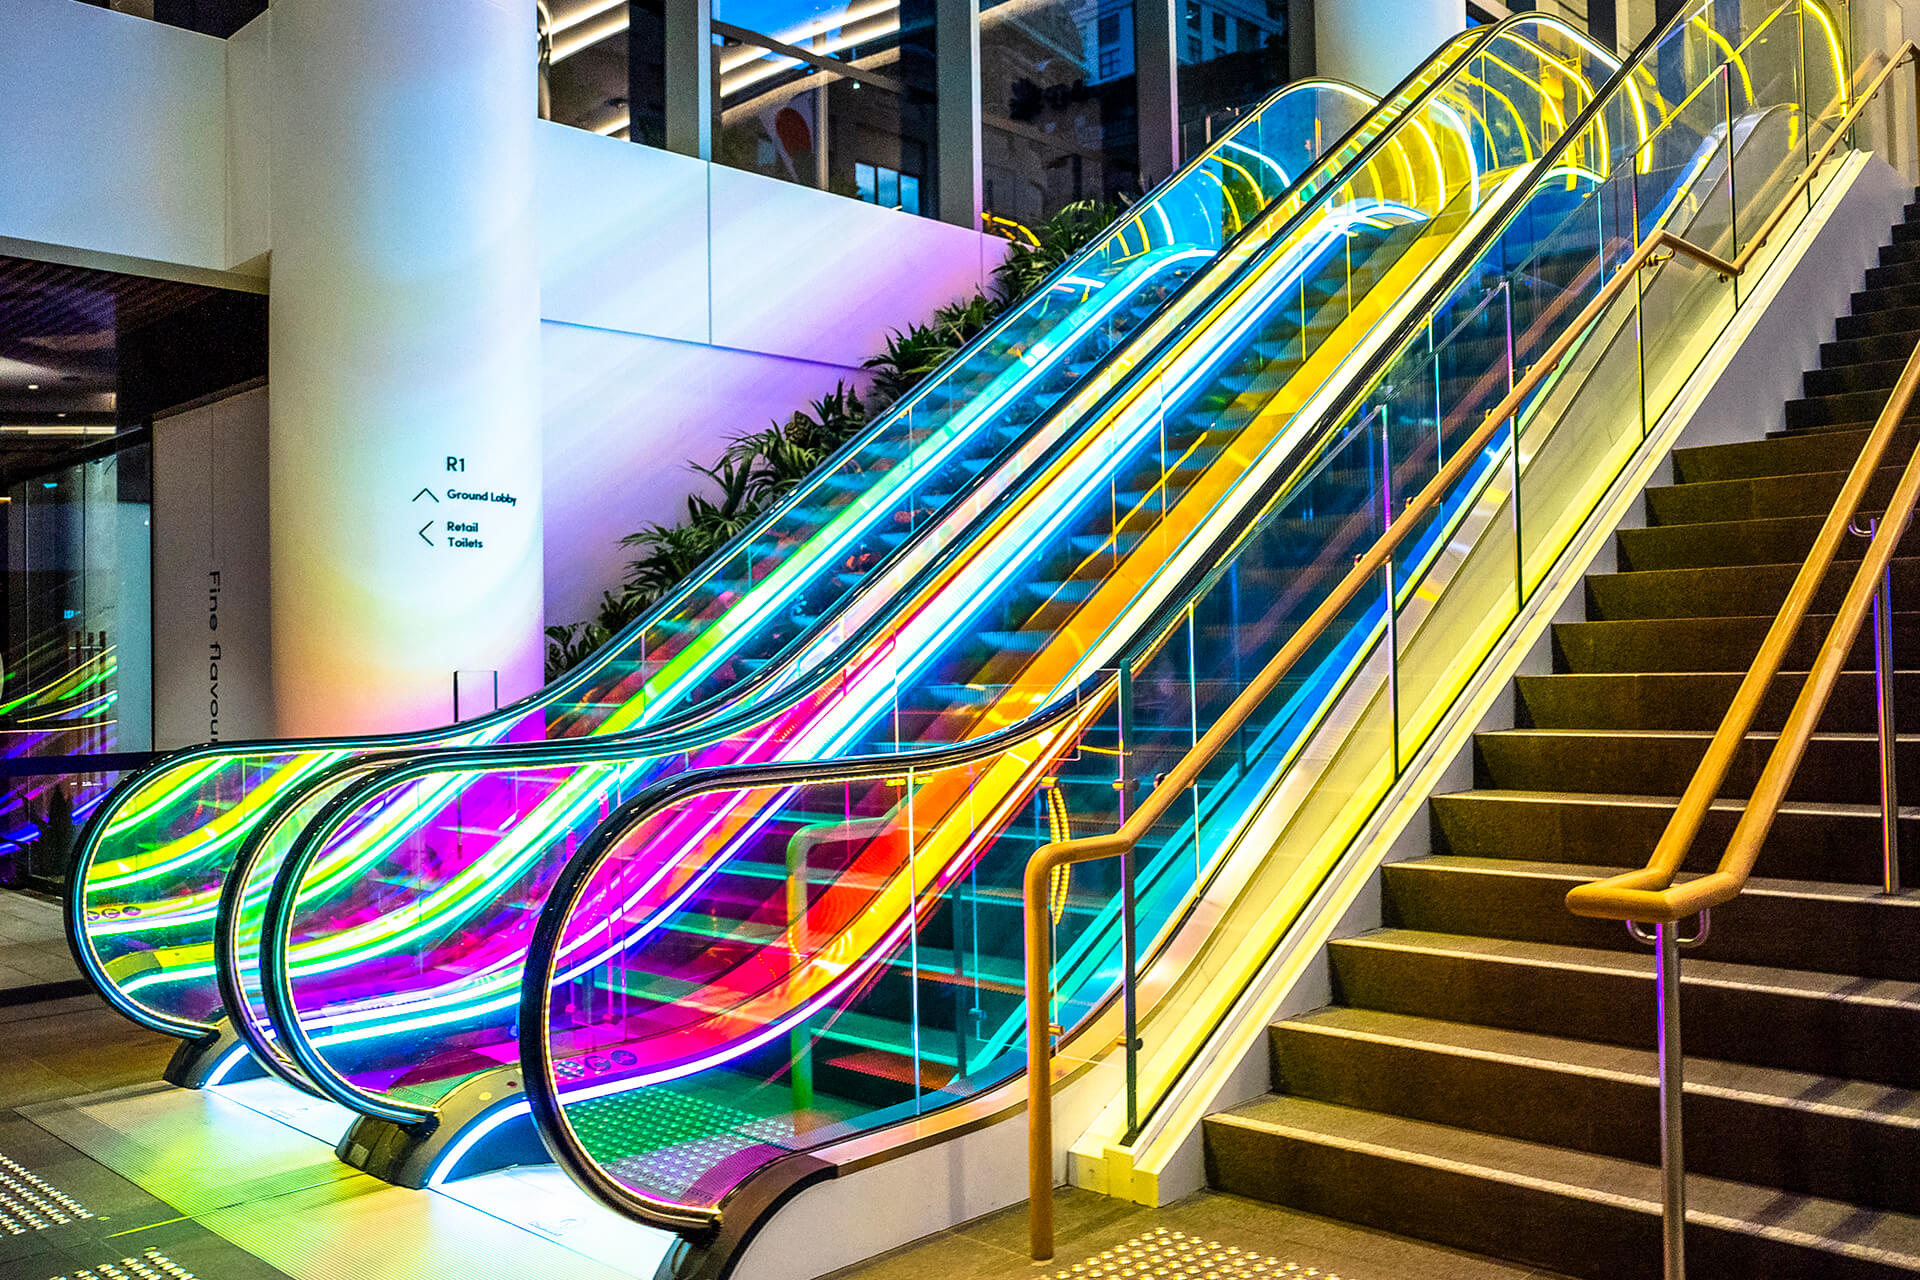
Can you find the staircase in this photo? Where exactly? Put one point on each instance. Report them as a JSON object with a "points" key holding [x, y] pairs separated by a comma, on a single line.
{"points": [[1486, 1078]]}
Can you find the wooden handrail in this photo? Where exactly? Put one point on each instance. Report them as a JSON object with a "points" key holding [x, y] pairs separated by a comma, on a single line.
{"points": [[1657, 248]]}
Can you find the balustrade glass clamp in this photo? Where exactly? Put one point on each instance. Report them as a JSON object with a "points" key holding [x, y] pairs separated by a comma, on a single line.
{"points": [[1127, 785], [1136, 1044]]}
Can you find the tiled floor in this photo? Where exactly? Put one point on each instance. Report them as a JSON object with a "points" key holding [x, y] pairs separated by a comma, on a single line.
{"points": [[33, 944], [53, 1049], [1088, 1228], [78, 1049], [240, 1183]]}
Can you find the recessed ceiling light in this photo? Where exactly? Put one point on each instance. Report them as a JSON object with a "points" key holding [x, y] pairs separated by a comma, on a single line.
{"points": [[33, 386], [59, 415]]}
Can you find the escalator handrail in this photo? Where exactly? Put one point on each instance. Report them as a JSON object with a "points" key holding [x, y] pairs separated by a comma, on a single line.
{"points": [[392, 749], [401, 766], [91, 836], [386, 770], [535, 983]]}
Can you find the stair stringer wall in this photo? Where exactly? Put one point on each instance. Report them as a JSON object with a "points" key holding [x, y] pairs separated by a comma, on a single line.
{"points": [[1738, 393]]}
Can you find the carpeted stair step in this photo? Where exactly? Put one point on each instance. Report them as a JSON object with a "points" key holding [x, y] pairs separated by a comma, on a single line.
{"points": [[1885, 297], [1879, 346], [1828, 928], [1890, 275], [1769, 540], [1642, 645], [1698, 700], [1807, 1134], [1723, 591], [1762, 497], [1833, 410], [1868, 323], [1795, 453], [1571, 1212], [1876, 376], [1836, 843], [1835, 768], [1796, 1020]]}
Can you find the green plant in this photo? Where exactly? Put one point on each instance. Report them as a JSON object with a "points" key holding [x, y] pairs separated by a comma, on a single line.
{"points": [[1055, 240]]}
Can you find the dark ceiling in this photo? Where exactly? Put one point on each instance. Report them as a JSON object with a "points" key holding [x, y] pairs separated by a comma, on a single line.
{"points": [[86, 353]]}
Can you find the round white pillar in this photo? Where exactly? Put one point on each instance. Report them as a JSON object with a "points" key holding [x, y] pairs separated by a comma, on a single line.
{"points": [[404, 450], [1376, 43]]}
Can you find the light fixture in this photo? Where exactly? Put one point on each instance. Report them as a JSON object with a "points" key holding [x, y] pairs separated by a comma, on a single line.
{"points": [[33, 386]]}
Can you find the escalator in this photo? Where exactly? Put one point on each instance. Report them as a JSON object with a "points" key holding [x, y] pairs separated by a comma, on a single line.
{"points": [[774, 605], [755, 977], [393, 964]]}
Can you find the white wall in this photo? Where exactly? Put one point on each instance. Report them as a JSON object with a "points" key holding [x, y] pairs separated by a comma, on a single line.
{"points": [[113, 133], [687, 303]]}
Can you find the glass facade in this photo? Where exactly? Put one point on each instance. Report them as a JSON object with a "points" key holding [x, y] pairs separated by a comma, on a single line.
{"points": [[1232, 54], [834, 96], [77, 676], [1060, 105], [846, 95], [209, 17]]}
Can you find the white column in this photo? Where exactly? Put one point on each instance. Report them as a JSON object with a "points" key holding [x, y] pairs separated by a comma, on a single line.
{"points": [[1376, 43], [404, 363]]}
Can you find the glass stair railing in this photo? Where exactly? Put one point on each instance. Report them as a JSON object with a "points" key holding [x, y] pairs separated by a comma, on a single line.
{"points": [[153, 861], [392, 968], [748, 965]]}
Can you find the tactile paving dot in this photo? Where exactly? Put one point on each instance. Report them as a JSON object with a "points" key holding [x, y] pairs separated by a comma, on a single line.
{"points": [[1161, 1252], [29, 1202], [151, 1265]]}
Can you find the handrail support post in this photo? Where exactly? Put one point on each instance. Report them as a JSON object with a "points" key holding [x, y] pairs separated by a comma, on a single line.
{"points": [[1883, 694], [1889, 736], [1039, 948], [1673, 1161]]}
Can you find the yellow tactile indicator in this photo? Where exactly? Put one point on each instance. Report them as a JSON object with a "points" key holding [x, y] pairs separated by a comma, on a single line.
{"points": [[151, 1265], [1161, 1252], [29, 1203]]}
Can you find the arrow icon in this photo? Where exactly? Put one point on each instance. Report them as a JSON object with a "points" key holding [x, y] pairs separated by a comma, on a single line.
{"points": [[422, 531], [424, 493]]}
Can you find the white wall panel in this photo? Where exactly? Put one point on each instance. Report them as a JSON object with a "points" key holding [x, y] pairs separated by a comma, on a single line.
{"points": [[623, 233], [210, 517], [800, 273], [623, 415], [112, 133], [249, 73]]}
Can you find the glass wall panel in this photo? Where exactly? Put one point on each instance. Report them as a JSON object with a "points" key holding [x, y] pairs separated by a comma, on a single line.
{"points": [[77, 675], [1233, 53], [1060, 110], [583, 68], [833, 94]]}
